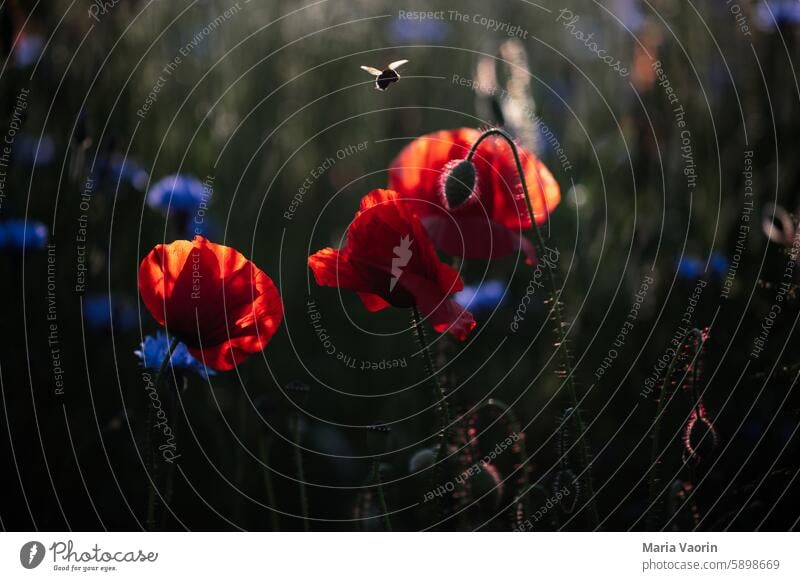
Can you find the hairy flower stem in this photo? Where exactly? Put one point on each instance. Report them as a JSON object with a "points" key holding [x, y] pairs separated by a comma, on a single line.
{"points": [[442, 408], [558, 318], [151, 456], [654, 496]]}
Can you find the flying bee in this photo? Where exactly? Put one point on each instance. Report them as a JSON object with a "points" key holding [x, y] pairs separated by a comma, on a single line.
{"points": [[387, 76]]}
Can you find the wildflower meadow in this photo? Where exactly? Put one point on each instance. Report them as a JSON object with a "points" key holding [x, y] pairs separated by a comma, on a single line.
{"points": [[368, 266]]}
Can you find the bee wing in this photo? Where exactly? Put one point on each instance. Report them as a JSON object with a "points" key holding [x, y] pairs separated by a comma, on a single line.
{"points": [[397, 64], [371, 70]]}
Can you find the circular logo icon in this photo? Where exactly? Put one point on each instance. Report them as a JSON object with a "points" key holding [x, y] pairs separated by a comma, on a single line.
{"points": [[31, 554]]}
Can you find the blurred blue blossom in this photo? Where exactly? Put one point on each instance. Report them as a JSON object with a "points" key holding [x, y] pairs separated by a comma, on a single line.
{"points": [[773, 13], [27, 50], [485, 297], [630, 13], [719, 264], [401, 31], [118, 169], [100, 309], [692, 268], [23, 234], [180, 193], [154, 348], [33, 151]]}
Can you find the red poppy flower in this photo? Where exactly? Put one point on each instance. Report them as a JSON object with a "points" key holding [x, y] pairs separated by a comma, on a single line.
{"points": [[487, 223], [389, 260], [211, 298]]}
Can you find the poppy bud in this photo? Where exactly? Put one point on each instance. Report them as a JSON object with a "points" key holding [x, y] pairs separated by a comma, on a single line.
{"points": [[459, 183]]}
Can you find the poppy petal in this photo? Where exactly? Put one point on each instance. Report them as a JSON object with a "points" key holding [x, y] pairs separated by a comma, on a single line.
{"points": [[212, 298]]}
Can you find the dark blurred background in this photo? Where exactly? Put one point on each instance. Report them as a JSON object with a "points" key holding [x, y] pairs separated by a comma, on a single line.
{"points": [[252, 97]]}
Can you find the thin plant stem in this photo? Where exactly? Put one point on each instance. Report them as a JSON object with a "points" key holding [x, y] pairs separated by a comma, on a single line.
{"points": [[516, 428], [376, 478], [298, 457], [152, 464], [264, 447], [239, 473], [556, 290], [442, 408], [652, 481], [172, 407]]}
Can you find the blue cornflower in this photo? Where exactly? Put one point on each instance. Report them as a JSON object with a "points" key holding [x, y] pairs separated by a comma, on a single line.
{"points": [[485, 297], [100, 309], [23, 234], [154, 348], [180, 193]]}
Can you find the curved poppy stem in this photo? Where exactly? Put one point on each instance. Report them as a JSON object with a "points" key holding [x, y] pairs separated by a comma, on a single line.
{"points": [[558, 318], [151, 456], [442, 408]]}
